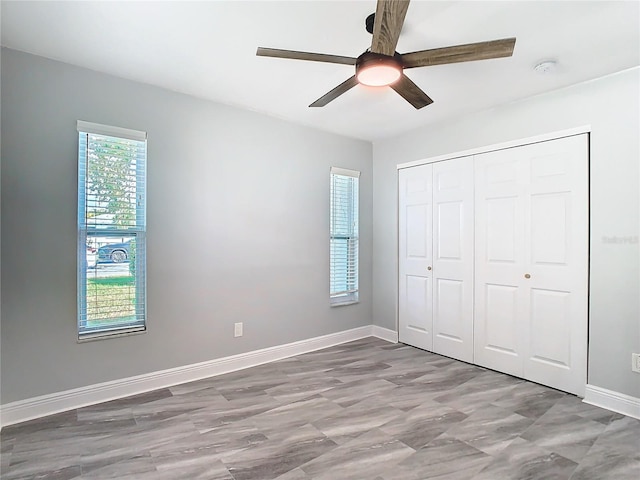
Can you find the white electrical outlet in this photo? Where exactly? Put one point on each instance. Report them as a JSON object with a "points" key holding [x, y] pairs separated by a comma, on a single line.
{"points": [[635, 362], [237, 331]]}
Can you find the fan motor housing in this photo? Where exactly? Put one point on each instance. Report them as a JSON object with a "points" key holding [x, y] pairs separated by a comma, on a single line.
{"points": [[368, 59], [369, 21]]}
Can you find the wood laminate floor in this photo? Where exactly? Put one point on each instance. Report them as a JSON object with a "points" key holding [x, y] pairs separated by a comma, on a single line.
{"points": [[365, 410]]}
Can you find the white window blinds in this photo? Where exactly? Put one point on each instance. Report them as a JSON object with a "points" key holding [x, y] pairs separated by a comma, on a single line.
{"points": [[343, 250], [111, 230]]}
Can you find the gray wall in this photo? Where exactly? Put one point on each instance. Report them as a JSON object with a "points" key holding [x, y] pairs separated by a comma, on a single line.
{"points": [[611, 106], [238, 219]]}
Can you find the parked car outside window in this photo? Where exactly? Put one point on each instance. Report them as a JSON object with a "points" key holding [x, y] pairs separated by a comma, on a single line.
{"points": [[114, 252]]}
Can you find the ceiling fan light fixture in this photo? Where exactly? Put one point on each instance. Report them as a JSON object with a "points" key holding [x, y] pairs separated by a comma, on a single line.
{"points": [[376, 70], [379, 75]]}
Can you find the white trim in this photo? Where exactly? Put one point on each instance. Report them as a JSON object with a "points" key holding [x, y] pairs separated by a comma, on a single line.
{"points": [[36, 407], [384, 333], [500, 146], [105, 335], [345, 172], [334, 302], [99, 129], [611, 400]]}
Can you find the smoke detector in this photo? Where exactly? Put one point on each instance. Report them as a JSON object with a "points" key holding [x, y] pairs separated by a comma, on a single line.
{"points": [[546, 67]]}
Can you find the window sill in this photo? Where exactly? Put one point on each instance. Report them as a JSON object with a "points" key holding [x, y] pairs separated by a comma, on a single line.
{"points": [[92, 337], [343, 302]]}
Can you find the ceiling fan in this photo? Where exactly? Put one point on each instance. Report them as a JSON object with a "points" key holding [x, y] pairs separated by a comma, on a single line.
{"points": [[381, 65]]}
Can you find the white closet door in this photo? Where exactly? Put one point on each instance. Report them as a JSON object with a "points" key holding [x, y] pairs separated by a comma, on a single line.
{"points": [[453, 258], [415, 256], [499, 316], [557, 222], [531, 262]]}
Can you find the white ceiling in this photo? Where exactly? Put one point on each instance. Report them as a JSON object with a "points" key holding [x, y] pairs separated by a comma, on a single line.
{"points": [[207, 49]]}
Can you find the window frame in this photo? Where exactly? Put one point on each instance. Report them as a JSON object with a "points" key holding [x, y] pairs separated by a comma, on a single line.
{"points": [[137, 231], [349, 296]]}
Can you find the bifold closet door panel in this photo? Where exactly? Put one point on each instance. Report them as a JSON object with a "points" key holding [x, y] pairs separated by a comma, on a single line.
{"points": [[415, 243], [531, 262], [453, 182], [557, 223], [499, 314]]}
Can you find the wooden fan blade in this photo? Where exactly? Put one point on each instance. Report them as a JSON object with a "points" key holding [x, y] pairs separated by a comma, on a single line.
{"points": [[460, 53], [411, 92], [314, 57], [336, 92], [388, 25]]}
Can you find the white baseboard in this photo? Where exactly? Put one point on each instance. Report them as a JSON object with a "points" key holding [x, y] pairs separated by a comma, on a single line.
{"points": [[36, 407], [614, 401], [384, 333]]}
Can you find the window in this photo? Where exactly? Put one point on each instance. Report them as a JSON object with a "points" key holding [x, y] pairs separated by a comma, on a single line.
{"points": [[343, 249], [111, 230]]}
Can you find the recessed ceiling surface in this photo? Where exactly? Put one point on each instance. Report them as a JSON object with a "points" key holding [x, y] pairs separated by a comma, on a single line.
{"points": [[208, 49]]}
